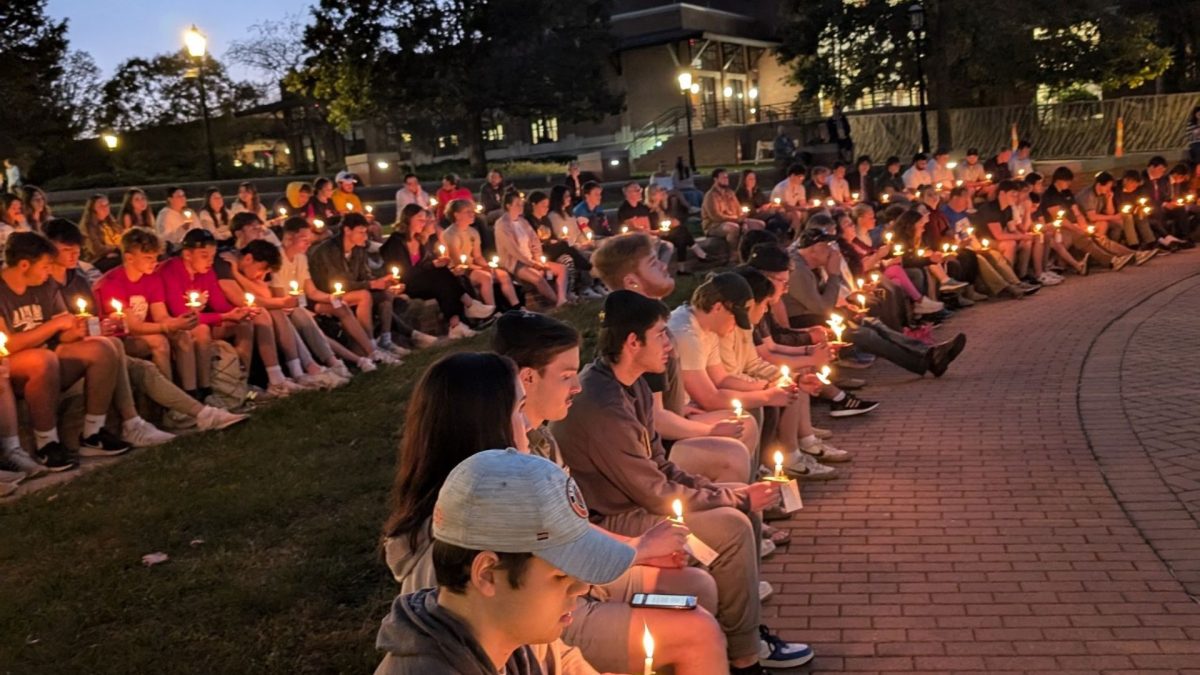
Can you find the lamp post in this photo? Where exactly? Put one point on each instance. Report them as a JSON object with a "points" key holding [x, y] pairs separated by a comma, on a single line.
{"points": [[916, 18], [196, 44], [111, 140], [685, 87]]}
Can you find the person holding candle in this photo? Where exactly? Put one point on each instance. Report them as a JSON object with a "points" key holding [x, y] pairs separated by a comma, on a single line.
{"points": [[321, 206], [248, 200], [175, 219], [214, 217], [1021, 163], [972, 266], [103, 245], [1058, 206], [756, 203], [917, 175], [590, 210], [817, 187], [909, 230], [839, 186], [521, 254], [638, 217], [428, 274], [673, 215], [294, 201], [343, 198], [1138, 227], [809, 302], [970, 171], [448, 192], [556, 247], [411, 193], [49, 351], [721, 213], [791, 198], [630, 483], [136, 211]]}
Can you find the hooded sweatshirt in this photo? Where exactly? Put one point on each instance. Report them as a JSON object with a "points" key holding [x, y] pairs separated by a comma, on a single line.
{"points": [[421, 638]]}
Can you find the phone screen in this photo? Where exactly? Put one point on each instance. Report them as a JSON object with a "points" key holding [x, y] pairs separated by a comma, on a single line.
{"points": [[679, 601]]}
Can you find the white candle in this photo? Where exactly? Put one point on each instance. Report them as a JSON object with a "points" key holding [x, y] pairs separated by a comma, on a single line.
{"points": [[862, 300], [249, 299], [985, 243], [318, 223], [193, 299], [648, 645], [3, 345], [442, 250], [395, 272], [118, 308], [82, 305], [778, 464], [737, 408], [677, 508], [823, 376], [295, 287], [370, 209], [785, 377], [337, 288], [282, 211], [462, 259]]}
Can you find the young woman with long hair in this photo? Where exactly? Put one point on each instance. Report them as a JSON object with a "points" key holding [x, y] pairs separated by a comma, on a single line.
{"points": [[214, 217], [135, 210], [102, 232], [37, 209], [247, 200]]}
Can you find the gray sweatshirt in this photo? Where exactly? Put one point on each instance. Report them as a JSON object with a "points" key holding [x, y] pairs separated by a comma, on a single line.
{"points": [[806, 295]]}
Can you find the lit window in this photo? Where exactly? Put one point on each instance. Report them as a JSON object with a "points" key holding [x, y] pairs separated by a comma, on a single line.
{"points": [[496, 133], [544, 130]]}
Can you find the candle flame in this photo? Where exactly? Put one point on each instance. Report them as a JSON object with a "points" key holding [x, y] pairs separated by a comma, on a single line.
{"points": [[3, 343], [395, 271], [318, 223], [116, 305], [462, 258], [648, 639], [194, 298], [249, 299], [282, 211], [82, 305], [677, 508], [337, 287], [785, 372], [295, 287]]}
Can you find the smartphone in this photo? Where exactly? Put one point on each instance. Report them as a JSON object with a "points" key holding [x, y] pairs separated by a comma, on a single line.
{"points": [[658, 601]]}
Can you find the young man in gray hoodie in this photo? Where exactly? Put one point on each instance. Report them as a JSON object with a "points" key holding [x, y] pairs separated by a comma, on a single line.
{"points": [[513, 552]]}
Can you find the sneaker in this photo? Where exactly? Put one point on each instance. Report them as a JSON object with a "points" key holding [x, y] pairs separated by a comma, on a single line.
{"points": [[178, 421], [141, 434], [773, 652], [591, 294], [698, 252], [766, 548], [850, 383], [1028, 289], [478, 310], [806, 467], [102, 444], [850, 406], [386, 358], [940, 356], [365, 364], [1142, 257], [975, 296], [1121, 261], [341, 370], [396, 350], [212, 419], [19, 460], [765, 591], [823, 434], [459, 331], [1049, 279], [963, 301], [423, 340], [952, 286], [281, 390], [55, 457], [333, 379], [824, 452], [928, 306], [312, 381]]}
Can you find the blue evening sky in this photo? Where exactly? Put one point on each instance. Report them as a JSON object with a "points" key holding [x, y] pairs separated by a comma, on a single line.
{"points": [[120, 29]]}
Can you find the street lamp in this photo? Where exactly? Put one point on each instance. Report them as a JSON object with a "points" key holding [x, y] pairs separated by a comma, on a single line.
{"points": [[916, 18], [196, 44], [111, 140], [686, 88]]}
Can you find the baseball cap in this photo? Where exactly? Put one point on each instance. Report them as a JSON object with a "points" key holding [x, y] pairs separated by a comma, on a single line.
{"points": [[509, 502], [734, 292], [345, 176], [815, 235], [769, 258]]}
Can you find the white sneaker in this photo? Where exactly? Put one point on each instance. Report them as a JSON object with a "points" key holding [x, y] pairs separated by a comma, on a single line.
{"points": [[825, 452], [366, 365], [333, 380], [178, 421], [1049, 279], [478, 310], [928, 306], [765, 591], [22, 462], [952, 285], [459, 331], [423, 340], [310, 381], [381, 356], [766, 548], [141, 434], [386, 344], [212, 419], [341, 371], [806, 467], [283, 389]]}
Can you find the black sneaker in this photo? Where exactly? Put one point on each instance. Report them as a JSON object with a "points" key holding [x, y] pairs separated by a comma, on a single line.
{"points": [[851, 406], [102, 444], [941, 355], [55, 457]]}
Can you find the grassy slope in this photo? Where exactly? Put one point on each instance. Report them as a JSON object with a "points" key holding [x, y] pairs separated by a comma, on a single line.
{"points": [[288, 578]]}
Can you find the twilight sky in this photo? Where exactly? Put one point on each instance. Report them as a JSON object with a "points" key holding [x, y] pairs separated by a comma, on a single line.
{"points": [[119, 29]]}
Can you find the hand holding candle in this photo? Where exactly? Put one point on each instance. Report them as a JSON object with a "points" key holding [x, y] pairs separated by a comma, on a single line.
{"points": [[648, 645], [737, 408], [785, 377], [193, 300]]}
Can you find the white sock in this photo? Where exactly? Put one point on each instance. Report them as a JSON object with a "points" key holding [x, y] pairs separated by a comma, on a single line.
{"points": [[295, 368], [132, 421], [840, 397], [275, 375], [92, 424], [385, 339], [809, 441], [10, 443], [44, 438]]}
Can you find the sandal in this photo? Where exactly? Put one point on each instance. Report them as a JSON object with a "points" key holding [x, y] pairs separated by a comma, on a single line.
{"points": [[777, 536]]}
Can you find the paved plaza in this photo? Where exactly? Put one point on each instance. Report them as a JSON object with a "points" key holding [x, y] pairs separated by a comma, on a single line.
{"points": [[1035, 510]]}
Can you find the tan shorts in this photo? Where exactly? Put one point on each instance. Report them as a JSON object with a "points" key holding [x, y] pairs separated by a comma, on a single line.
{"points": [[601, 629]]}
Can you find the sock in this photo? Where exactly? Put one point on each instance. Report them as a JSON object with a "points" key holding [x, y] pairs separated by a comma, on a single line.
{"points": [[44, 438], [374, 344], [132, 420], [385, 339], [295, 368], [809, 441], [840, 397], [275, 375], [92, 424], [10, 443]]}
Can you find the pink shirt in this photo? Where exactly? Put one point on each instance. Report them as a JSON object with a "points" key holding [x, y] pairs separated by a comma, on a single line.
{"points": [[135, 296], [178, 282]]}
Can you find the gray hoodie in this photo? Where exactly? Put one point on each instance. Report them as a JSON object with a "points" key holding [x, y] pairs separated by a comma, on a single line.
{"points": [[421, 638]]}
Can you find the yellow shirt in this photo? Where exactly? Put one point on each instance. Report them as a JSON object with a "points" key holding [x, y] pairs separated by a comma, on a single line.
{"points": [[347, 202]]}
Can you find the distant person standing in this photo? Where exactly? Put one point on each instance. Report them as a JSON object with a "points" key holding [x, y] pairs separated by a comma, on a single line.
{"points": [[12, 176], [784, 149], [839, 132]]}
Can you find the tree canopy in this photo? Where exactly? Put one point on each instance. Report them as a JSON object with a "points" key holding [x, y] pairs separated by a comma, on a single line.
{"points": [[33, 121], [146, 92]]}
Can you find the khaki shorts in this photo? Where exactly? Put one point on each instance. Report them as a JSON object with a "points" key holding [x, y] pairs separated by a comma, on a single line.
{"points": [[601, 629]]}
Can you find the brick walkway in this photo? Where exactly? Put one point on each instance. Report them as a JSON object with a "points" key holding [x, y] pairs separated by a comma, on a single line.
{"points": [[1033, 511]]}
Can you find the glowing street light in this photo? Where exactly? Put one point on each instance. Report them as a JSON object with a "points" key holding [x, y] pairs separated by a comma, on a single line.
{"points": [[687, 88], [196, 43]]}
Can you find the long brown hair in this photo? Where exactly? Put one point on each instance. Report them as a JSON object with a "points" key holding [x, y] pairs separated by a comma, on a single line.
{"points": [[462, 405], [255, 204], [146, 218], [35, 221]]}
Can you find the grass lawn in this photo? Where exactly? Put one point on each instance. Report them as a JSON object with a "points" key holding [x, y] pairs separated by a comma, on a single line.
{"points": [[288, 577]]}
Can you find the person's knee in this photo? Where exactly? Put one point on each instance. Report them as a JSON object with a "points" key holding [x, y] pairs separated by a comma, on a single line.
{"points": [[35, 364], [200, 336]]}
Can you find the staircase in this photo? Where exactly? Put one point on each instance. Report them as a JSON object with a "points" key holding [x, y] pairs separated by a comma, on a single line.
{"points": [[670, 123]]}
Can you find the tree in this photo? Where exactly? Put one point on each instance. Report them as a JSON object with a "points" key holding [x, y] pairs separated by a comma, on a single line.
{"points": [[460, 62], [77, 89], [32, 121], [272, 50], [163, 90]]}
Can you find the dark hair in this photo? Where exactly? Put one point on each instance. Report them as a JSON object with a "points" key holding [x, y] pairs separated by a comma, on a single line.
{"points": [[452, 566], [638, 315], [1021, 145], [1103, 178], [1133, 175], [1033, 178], [717, 172], [861, 159], [352, 220], [510, 197], [409, 175], [198, 237], [462, 405], [451, 179], [29, 246], [797, 169], [753, 238], [320, 183], [892, 160], [92, 225], [295, 224], [1157, 160], [589, 186], [171, 190], [1179, 170], [557, 202], [820, 221], [147, 216], [958, 191], [940, 151], [63, 231], [617, 256], [769, 258], [839, 165], [219, 217], [141, 240], [242, 219], [264, 252], [760, 285], [1009, 186], [255, 204], [532, 340], [919, 157], [905, 227], [1062, 173]]}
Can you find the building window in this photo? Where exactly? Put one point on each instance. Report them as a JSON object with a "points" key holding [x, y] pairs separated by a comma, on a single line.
{"points": [[734, 58], [544, 130], [494, 134], [447, 142]]}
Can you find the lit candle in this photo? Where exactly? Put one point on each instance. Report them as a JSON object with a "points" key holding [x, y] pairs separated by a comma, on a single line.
{"points": [[566, 231], [337, 288], [442, 250], [970, 231], [745, 209], [1127, 208], [624, 229], [954, 248], [1142, 201], [479, 208], [951, 165], [589, 235], [862, 300], [897, 250], [395, 273], [785, 377], [854, 196], [816, 203], [648, 645], [938, 185], [830, 202], [370, 209], [433, 201], [665, 226], [1037, 227], [1020, 172], [3, 345], [737, 408], [984, 243], [1147, 210], [187, 213], [1091, 230], [495, 262], [543, 259], [349, 206], [318, 223], [677, 508], [958, 183], [887, 237], [823, 375], [988, 177], [462, 259], [249, 299], [82, 305], [777, 201], [1179, 202], [193, 299], [920, 253], [295, 287], [884, 197], [778, 464], [874, 278], [945, 248], [861, 284], [118, 308], [1191, 198]]}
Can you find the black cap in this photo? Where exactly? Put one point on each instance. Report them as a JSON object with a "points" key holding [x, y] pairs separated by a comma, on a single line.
{"points": [[972, 151], [813, 236], [769, 258], [198, 237], [734, 292]]}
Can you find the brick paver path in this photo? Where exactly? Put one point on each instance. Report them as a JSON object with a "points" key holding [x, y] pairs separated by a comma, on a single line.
{"points": [[1035, 510]]}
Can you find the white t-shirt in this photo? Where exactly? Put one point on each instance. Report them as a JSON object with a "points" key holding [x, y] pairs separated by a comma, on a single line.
{"points": [[839, 189], [915, 178], [295, 269], [788, 194], [697, 348], [941, 174]]}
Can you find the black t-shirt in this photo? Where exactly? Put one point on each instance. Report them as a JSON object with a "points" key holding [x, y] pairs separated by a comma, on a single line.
{"points": [[627, 212], [1055, 200], [990, 212], [222, 268], [36, 306]]}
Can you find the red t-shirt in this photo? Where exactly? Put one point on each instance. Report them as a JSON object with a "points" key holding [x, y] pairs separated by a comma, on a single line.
{"points": [[135, 296]]}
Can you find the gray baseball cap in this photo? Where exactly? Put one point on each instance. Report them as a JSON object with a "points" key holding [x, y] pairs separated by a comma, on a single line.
{"points": [[509, 502]]}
